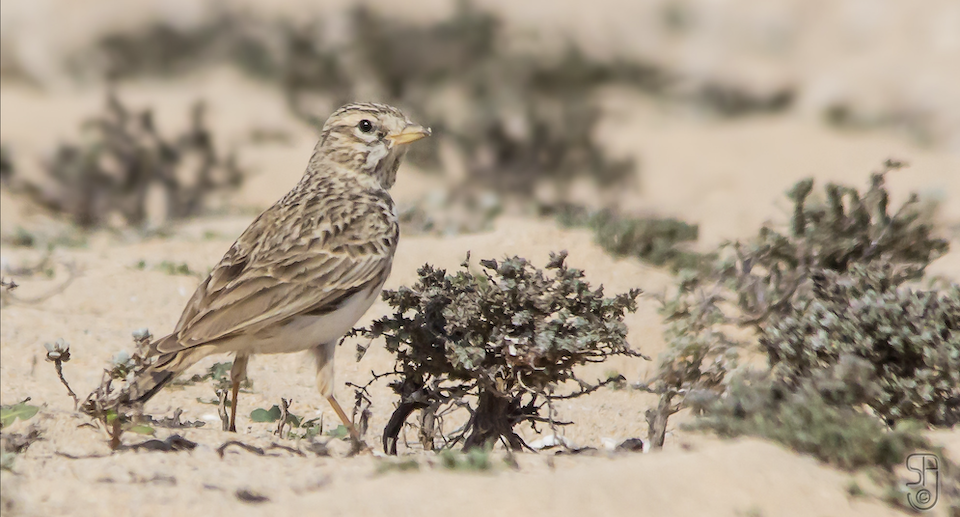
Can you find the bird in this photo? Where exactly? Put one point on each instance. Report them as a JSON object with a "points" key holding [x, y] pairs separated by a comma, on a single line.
{"points": [[306, 269]]}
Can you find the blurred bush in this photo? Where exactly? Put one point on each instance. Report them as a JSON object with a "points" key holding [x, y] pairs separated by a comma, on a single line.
{"points": [[521, 118], [907, 341], [515, 119], [828, 289], [121, 158], [658, 241], [821, 416], [809, 422]]}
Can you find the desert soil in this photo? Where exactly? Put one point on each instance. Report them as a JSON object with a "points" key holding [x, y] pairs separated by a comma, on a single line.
{"points": [[728, 176]]}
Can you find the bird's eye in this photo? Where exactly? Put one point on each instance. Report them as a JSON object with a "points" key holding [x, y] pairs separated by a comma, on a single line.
{"points": [[365, 126]]}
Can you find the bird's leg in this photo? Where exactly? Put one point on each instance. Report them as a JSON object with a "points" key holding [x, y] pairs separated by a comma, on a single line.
{"points": [[237, 375], [234, 390], [343, 417], [324, 357]]}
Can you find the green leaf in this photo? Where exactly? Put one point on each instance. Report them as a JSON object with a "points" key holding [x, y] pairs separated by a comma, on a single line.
{"points": [[340, 432], [142, 429], [23, 411], [219, 370], [313, 422], [212, 402], [293, 420], [264, 415], [6, 460]]}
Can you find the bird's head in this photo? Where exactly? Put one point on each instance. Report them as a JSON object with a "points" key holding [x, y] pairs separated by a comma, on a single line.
{"points": [[368, 138]]}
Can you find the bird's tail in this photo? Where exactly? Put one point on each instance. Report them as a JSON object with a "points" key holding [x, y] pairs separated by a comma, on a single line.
{"points": [[163, 369]]}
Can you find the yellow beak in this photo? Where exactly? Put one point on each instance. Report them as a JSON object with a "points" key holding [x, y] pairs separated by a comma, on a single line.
{"points": [[411, 133]]}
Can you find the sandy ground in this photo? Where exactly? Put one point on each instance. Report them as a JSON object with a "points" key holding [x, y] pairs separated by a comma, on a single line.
{"points": [[728, 176]]}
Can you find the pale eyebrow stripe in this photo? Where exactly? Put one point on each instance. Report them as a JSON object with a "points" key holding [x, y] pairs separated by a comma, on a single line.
{"points": [[368, 107]]}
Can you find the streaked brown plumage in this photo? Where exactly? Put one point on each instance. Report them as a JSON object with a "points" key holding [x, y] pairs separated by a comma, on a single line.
{"points": [[307, 268]]}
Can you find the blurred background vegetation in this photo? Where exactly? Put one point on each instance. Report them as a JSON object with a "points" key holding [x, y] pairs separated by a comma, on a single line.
{"points": [[516, 104]]}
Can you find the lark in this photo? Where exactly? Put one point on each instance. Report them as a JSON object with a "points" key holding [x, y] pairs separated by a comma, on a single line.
{"points": [[307, 268]]}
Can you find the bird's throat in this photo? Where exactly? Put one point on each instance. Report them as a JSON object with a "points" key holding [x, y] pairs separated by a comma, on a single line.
{"points": [[375, 156]]}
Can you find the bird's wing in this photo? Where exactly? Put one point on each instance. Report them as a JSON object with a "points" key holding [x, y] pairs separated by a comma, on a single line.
{"points": [[272, 274]]}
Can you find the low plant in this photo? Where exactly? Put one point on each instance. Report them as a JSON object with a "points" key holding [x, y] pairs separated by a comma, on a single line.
{"points": [[658, 241], [170, 268], [795, 290], [499, 343], [121, 158], [476, 459], [99, 403], [907, 341], [811, 421], [385, 465], [821, 417], [19, 411], [14, 444]]}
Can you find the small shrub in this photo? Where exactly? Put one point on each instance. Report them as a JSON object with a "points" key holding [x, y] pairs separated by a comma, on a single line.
{"points": [[520, 121], [475, 459], [404, 465], [219, 374], [524, 120], [13, 444], [498, 343], [820, 417], [172, 268], [769, 284], [909, 340], [804, 420], [121, 158], [101, 405], [650, 239]]}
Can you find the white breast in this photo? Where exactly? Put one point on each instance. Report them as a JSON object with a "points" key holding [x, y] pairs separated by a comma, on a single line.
{"points": [[305, 332]]}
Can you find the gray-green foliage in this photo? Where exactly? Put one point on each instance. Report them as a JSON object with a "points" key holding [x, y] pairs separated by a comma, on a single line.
{"points": [[767, 284], [170, 268], [99, 403], [21, 410], [385, 465], [651, 239], [821, 416], [848, 228], [123, 156], [523, 120], [265, 415], [218, 374], [475, 459], [500, 342], [808, 421], [910, 339], [521, 116]]}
